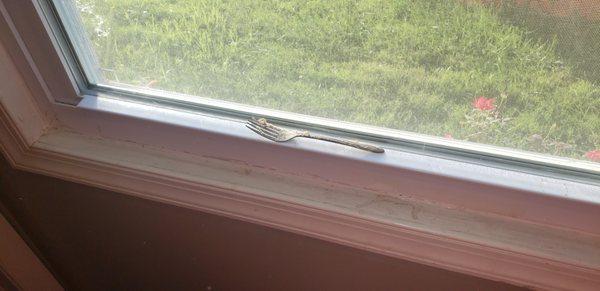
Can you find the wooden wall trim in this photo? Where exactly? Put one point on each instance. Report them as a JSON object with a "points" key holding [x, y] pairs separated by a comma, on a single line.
{"points": [[21, 266]]}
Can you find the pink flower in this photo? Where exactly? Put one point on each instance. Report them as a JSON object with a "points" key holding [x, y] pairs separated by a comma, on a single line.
{"points": [[448, 136], [593, 155], [482, 103], [151, 83]]}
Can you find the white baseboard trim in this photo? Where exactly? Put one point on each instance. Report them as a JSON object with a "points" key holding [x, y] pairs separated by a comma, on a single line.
{"points": [[20, 264]]}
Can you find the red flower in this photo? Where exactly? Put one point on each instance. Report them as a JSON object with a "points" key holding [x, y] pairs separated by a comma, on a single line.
{"points": [[448, 136], [483, 103], [151, 83], [593, 155]]}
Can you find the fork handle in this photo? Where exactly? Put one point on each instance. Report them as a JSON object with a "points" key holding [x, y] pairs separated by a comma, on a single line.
{"points": [[350, 143]]}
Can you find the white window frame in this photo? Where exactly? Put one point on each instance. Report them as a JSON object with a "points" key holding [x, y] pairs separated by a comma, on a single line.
{"points": [[517, 217]]}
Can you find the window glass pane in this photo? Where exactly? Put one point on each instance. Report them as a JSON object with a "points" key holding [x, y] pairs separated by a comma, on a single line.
{"points": [[520, 74]]}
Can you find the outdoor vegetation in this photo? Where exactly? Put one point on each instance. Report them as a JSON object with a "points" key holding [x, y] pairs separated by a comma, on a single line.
{"points": [[497, 74]]}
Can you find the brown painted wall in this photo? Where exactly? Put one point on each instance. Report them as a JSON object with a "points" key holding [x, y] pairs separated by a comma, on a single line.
{"points": [[98, 240]]}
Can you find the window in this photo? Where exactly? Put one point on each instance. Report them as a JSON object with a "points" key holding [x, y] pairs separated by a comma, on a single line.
{"points": [[514, 74]]}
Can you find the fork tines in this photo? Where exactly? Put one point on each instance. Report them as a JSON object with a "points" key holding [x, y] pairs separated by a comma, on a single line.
{"points": [[263, 128]]}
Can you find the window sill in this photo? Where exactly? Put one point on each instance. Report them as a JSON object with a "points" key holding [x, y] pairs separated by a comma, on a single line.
{"points": [[449, 180], [409, 211]]}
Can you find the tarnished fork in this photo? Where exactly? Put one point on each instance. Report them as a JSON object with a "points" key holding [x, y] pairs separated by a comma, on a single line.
{"points": [[278, 134]]}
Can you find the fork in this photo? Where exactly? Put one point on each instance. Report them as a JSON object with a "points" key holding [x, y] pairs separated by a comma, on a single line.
{"points": [[278, 134]]}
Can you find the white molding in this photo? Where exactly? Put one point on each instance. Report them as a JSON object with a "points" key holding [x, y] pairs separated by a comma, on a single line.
{"points": [[492, 189], [484, 245], [535, 234], [22, 266], [21, 113], [34, 44]]}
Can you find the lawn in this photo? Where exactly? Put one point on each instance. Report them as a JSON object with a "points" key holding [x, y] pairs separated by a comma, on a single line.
{"points": [[416, 65]]}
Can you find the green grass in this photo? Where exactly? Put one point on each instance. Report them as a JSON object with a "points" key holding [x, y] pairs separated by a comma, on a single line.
{"points": [[414, 65]]}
